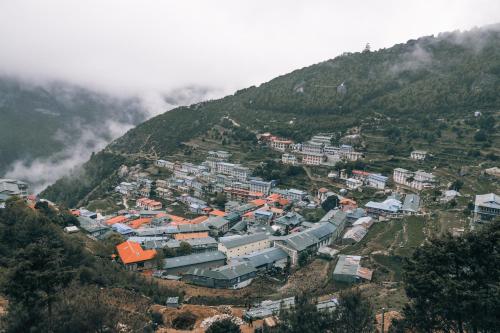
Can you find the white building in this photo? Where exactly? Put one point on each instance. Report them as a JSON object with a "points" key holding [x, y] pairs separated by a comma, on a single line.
{"points": [[312, 158], [289, 159], [417, 180], [238, 246], [295, 195], [280, 144], [418, 155], [353, 183], [376, 181], [312, 148]]}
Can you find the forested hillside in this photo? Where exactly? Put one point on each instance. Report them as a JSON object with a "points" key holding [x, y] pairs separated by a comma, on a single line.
{"points": [[419, 94], [39, 120]]}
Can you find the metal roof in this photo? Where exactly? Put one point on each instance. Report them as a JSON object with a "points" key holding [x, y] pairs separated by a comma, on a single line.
{"points": [[243, 240], [265, 257], [411, 203], [227, 272], [300, 241], [193, 259]]}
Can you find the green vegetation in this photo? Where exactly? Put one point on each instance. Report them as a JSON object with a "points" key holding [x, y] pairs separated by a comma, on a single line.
{"points": [[452, 284], [54, 284], [224, 326]]}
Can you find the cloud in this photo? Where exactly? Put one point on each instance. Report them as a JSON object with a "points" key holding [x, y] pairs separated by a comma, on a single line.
{"points": [[416, 59]]}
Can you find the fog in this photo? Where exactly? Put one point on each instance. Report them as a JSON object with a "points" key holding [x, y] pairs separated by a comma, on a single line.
{"points": [[170, 53]]}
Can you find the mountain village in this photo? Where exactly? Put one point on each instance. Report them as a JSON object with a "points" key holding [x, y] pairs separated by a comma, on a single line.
{"points": [[214, 225]]}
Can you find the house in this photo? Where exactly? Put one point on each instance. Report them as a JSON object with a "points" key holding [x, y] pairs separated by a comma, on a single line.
{"points": [[295, 244], [134, 257], [486, 207], [289, 159], [165, 164], [172, 302], [295, 195], [269, 308], [217, 223], [198, 245], [354, 235], [312, 158], [315, 148], [411, 205], [280, 144], [389, 207], [353, 183], [418, 180], [233, 276], [92, 227], [290, 220], [418, 155], [189, 231], [117, 219], [12, 187], [148, 204], [348, 269], [182, 264], [238, 246], [376, 181], [261, 186], [365, 221], [122, 229], [267, 259], [71, 229]]}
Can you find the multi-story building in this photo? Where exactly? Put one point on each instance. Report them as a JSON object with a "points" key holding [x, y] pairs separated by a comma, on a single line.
{"points": [[280, 144], [376, 181], [312, 147], [295, 195], [243, 245], [418, 180], [236, 170], [325, 139], [486, 207], [418, 155], [289, 159], [261, 186], [312, 158], [165, 164], [353, 183]]}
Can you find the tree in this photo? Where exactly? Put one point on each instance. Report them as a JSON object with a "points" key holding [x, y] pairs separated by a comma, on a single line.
{"points": [[224, 326], [220, 200], [354, 313], [304, 318], [330, 203], [452, 283], [184, 249]]}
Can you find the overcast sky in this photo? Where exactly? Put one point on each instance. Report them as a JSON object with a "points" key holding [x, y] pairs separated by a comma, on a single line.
{"points": [[141, 46]]}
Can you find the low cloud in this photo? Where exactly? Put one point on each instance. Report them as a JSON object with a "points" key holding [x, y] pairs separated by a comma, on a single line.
{"points": [[416, 59]]}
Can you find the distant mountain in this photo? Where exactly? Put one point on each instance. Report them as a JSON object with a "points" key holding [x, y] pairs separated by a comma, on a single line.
{"points": [[400, 97], [48, 128]]}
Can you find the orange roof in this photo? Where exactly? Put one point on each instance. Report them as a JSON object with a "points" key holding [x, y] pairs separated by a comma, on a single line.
{"points": [[217, 212], [323, 190], [75, 212], [177, 219], [284, 202], [131, 252], [274, 197], [347, 201], [256, 194], [198, 219], [276, 210], [248, 214], [117, 219], [258, 202], [162, 214], [139, 222]]}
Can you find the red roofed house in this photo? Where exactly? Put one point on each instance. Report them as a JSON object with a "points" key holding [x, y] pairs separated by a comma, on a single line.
{"points": [[134, 257], [148, 204], [116, 219], [135, 224]]}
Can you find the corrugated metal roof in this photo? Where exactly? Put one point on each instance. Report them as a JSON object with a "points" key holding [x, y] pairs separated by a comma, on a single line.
{"points": [[193, 259], [266, 257], [243, 240]]}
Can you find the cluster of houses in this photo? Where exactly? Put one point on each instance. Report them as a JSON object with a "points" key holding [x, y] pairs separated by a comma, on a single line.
{"points": [[317, 151], [10, 188]]}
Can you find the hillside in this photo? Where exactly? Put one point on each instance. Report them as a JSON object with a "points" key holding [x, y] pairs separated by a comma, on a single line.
{"points": [[53, 119], [420, 94]]}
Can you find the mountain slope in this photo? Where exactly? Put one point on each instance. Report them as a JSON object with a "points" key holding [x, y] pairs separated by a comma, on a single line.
{"points": [[415, 90], [38, 121]]}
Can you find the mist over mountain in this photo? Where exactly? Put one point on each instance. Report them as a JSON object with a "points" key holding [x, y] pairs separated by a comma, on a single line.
{"points": [[48, 128]]}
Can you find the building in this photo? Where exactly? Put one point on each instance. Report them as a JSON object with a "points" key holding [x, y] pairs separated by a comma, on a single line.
{"points": [[233, 276], [269, 308], [354, 235], [486, 207], [267, 259], [12, 187], [289, 159], [418, 155], [237, 246], [165, 164], [308, 241], [182, 264], [348, 269], [376, 181], [389, 207], [134, 257], [314, 148], [190, 231], [325, 139], [411, 204], [261, 186], [289, 221], [218, 224], [495, 172], [198, 245], [148, 204], [92, 227], [353, 183], [236, 170], [295, 194], [418, 180], [280, 144], [312, 158]]}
